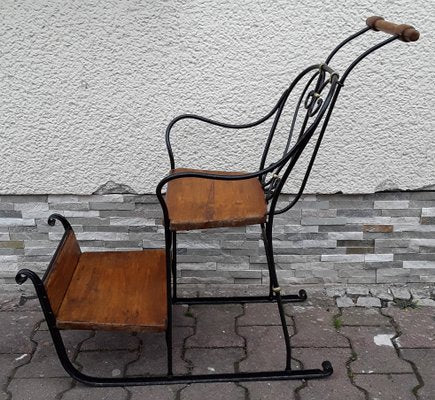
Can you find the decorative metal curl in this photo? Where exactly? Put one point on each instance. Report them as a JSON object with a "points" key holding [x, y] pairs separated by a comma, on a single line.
{"points": [[52, 221], [313, 102]]}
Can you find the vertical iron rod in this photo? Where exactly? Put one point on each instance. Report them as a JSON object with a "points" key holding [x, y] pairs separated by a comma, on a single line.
{"points": [[168, 298], [174, 265], [267, 232]]}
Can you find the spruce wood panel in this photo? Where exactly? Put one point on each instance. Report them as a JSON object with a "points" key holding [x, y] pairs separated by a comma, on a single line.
{"points": [[197, 203], [62, 270], [117, 291]]}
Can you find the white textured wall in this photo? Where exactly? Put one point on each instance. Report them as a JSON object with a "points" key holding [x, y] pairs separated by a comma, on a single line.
{"points": [[88, 87]]}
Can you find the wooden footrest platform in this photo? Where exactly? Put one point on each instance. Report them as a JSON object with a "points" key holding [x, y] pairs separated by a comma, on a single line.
{"points": [[116, 291]]}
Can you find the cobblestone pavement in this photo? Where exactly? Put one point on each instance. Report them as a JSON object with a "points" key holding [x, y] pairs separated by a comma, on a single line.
{"points": [[378, 353]]}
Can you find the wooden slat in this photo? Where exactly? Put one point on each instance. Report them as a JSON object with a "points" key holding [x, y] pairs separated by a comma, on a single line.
{"points": [[61, 270], [117, 291], [197, 203]]}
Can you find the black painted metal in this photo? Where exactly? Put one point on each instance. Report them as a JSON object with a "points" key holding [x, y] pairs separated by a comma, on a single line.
{"points": [[318, 106], [289, 298], [67, 227]]}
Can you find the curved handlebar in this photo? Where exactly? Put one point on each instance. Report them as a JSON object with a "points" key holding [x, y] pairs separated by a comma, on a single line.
{"points": [[406, 33]]}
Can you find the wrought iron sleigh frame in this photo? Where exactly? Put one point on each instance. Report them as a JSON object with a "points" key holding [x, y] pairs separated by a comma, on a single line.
{"points": [[318, 103]]}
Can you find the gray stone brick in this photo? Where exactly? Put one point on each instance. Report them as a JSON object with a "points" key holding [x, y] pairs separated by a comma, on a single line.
{"points": [[375, 258], [82, 206], [342, 258], [410, 241], [17, 222], [341, 228], [419, 264], [393, 275], [382, 294], [357, 291], [368, 302], [323, 221], [23, 198], [358, 213], [10, 214], [401, 293], [426, 302], [397, 204], [207, 266], [345, 235], [111, 206]]}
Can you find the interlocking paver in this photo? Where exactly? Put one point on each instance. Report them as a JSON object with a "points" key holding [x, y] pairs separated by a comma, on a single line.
{"points": [[363, 317], [277, 390], [265, 348], [105, 363], [106, 340], [9, 301], [218, 391], [261, 314], [338, 386], [375, 350], [86, 393], [315, 328], [226, 338], [165, 392], [416, 326], [16, 329], [215, 326], [209, 361], [387, 387], [30, 304], [38, 389], [424, 360], [182, 316], [152, 357], [8, 362], [44, 362]]}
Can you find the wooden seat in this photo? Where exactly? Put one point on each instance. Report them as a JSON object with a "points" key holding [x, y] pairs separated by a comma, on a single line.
{"points": [[116, 291], [197, 203], [107, 290]]}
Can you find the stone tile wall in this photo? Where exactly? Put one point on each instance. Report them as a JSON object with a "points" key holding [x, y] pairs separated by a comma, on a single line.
{"points": [[343, 239]]}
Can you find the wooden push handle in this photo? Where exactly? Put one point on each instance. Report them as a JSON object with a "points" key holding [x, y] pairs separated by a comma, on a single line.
{"points": [[406, 33]]}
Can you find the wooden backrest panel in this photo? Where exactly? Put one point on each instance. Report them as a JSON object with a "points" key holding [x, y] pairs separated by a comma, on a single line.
{"points": [[61, 270]]}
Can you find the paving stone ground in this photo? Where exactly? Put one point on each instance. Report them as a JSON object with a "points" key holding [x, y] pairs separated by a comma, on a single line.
{"points": [[377, 353]]}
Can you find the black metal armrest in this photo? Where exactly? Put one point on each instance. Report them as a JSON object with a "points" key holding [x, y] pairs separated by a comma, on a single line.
{"points": [[211, 122]]}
